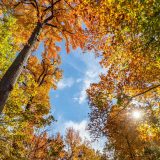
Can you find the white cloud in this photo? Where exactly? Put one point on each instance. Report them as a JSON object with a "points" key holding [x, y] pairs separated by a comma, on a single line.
{"points": [[78, 80], [65, 83], [56, 96], [61, 125], [81, 127], [83, 95], [93, 70], [84, 134]]}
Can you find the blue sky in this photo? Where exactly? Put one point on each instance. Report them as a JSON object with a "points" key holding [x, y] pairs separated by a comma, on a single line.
{"points": [[68, 102]]}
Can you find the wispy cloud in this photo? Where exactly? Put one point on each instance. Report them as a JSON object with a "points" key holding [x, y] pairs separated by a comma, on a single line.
{"points": [[90, 77], [66, 83], [93, 70], [62, 124], [84, 133], [79, 80], [81, 126]]}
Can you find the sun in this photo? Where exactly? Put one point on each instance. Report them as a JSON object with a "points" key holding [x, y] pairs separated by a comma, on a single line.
{"points": [[136, 114]]}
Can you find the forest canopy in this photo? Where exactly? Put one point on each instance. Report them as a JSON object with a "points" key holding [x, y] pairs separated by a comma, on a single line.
{"points": [[124, 104]]}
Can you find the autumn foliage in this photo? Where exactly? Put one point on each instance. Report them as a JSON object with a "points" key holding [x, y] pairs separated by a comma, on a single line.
{"points": [[125, 35], [130, 53]]}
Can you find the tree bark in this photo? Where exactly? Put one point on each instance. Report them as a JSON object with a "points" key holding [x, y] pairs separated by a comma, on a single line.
{"points": [[129, 147], [10, 77]]}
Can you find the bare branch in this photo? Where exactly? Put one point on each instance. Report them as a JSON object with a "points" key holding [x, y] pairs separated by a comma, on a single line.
{"points": [[69, 5], [64, 30], [48, 19], [36, 6], [51, 25], [16, 5], [43, 65], [51, 5]]}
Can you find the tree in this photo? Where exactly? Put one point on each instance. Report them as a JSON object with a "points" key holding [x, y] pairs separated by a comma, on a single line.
{"points": [[118, 22], [78, 148], [52, 21], [124, 51], [109, 100], [44, 76], [72, 140], [126, 34], [57, 147], [23, 116], [124, 136], [8, 26]]}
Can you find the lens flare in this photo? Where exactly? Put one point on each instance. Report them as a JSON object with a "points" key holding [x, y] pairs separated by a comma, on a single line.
{"points": [[137, 114]]}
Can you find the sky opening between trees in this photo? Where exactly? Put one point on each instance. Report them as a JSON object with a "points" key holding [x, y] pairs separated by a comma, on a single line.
{"points": [[62, 59]]}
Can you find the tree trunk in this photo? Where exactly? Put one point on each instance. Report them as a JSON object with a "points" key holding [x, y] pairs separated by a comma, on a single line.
{"points": [[10, 77], [129, 148]]}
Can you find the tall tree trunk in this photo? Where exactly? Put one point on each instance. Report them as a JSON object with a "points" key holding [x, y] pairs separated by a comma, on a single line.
{"points": [[130, 149], [10, 77]]}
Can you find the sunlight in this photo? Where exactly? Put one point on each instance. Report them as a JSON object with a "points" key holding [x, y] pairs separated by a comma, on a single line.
{"points": [[137, 114]]}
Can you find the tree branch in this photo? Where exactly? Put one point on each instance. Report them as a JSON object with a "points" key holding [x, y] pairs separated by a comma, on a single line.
{"points": [[151, 88], [130, 99], [36, 6], [51, 25], [51, 5]]}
